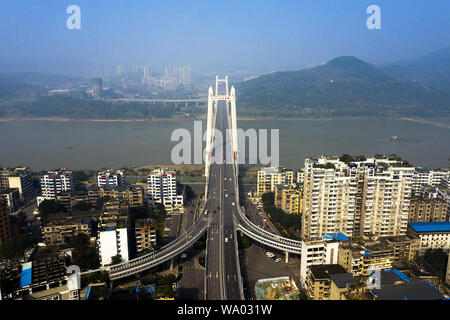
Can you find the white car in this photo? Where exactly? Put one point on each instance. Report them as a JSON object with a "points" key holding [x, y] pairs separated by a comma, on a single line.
{"points": [[226, 195], [269, 254], [226, 239], [233, 203]]}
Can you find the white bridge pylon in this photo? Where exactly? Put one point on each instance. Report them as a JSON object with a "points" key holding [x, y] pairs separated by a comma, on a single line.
{"points": [[230, 99]]}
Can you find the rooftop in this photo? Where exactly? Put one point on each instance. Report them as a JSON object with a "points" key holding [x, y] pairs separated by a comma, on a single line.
{"points": [[395, 285], [431, 226], [342, 280], [336, 236], [324, 271]]}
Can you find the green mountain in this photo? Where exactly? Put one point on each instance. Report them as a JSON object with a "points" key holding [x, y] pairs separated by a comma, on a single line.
{"points": [[431, 70], [345, 86]]}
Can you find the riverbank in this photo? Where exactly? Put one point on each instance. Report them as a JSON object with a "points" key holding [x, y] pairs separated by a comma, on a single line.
{"points": [[440, 122]]}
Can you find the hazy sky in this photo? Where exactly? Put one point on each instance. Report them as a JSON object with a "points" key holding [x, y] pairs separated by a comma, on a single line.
{"points": [[244, 34]]}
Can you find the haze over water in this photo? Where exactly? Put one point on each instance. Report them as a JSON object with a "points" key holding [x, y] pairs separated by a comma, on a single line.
{"points": [[44, 145]]}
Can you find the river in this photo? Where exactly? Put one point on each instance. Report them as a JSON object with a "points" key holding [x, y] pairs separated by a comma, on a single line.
{"points": [[44, 145]]}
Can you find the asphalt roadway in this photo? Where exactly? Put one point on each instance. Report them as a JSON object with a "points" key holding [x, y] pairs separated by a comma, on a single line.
{"points": [[222, 259]]}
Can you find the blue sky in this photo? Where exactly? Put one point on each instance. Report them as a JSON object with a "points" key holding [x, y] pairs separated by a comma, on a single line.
{"points": [[245, 34]]}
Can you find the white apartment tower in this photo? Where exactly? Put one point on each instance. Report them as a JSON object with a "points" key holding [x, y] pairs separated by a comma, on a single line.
{"points": [[111, 178], [428, 178], [162, 188], [55, 182]]}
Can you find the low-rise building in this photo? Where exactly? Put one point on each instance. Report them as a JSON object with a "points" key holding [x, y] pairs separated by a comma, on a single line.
{"points": [[396, 285], [45, 279], [317, 253], [269, 178], [363, 260], [145, 237], [332, 282], [55, 232], [132, 196], [405, 247], [432, 235], [288, 199]]}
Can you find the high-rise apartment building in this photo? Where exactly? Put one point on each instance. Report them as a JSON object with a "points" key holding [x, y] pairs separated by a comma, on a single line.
{"points": [[185, 75], [162, 188], [111, 178], [424, 178], [328, 198], [269, 178], [97, 88], [5, 224], [427, 210], [55, 182], [369, 197], [386, 197], [18, 178]]}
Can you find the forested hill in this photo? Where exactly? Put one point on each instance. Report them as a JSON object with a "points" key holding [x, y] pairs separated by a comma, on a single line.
{"points": [[345, 86]]}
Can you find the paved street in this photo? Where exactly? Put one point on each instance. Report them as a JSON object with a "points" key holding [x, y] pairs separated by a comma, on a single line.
{"points": [[222, 261], [191, 285]]}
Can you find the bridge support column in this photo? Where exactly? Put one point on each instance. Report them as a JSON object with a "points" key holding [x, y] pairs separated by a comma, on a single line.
{"points": [[286, 260], [234, 137], [209, 130], [171, 264]]}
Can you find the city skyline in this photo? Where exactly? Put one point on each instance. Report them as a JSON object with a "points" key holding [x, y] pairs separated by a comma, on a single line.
{"points": [[279, 36]]}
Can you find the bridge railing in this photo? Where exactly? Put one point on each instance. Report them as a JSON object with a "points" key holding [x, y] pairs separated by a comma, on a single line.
{"points": [[250, 224], [258, 229], [264, 240], [117, 274], [130, 263]]}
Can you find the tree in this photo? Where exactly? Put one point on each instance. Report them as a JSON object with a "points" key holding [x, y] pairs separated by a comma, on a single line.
{"points": [[116, 259], [48, 207], [15, 246], [437, 258], [140, 212], [190, 194], [80, 175], [346, 158], [268, 198], [82, 206], [86, 258], [84, 255], [100, 202]]}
